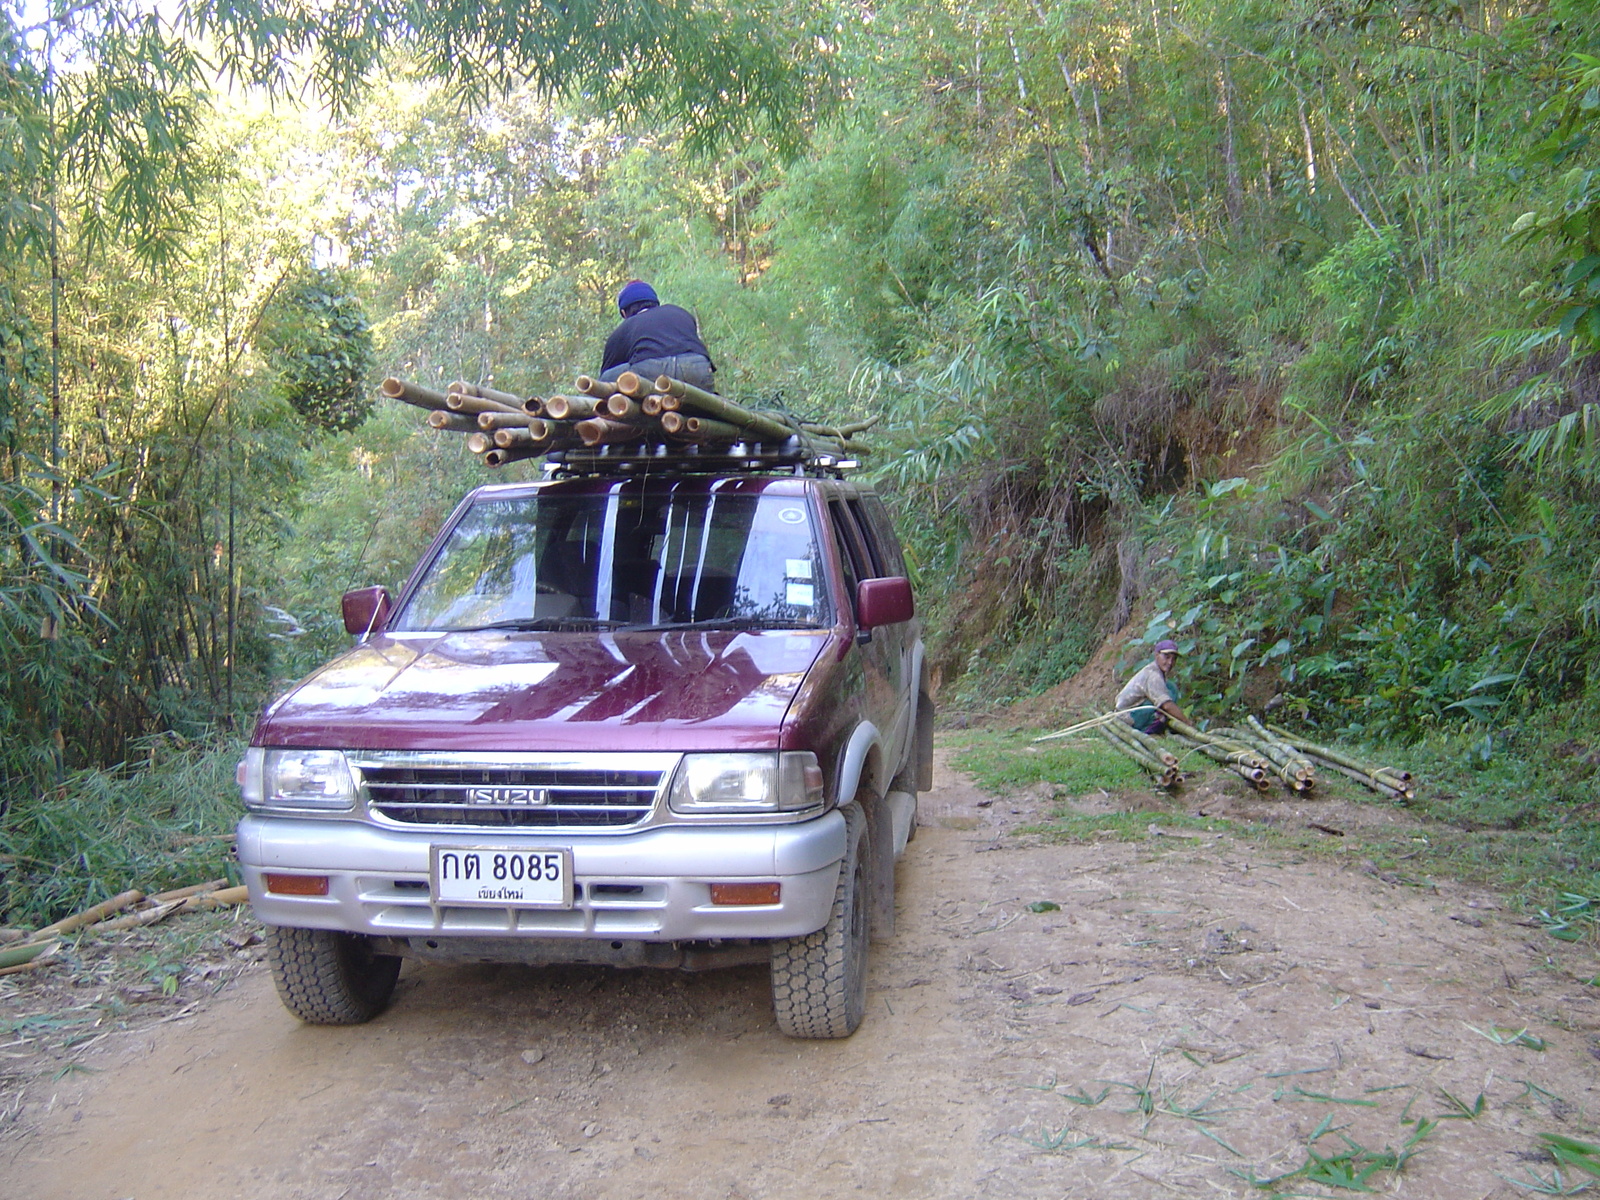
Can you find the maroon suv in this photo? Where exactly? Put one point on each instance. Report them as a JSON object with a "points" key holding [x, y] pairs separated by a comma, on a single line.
{"points": [[653, 717]]}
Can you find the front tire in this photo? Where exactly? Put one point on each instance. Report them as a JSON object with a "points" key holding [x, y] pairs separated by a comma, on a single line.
{"points": [[819, 982], [330, 978]]}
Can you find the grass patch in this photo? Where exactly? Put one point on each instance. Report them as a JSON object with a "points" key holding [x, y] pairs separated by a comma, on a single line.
{"points": [[163, 824], [1069, 826], [1006, 761]]}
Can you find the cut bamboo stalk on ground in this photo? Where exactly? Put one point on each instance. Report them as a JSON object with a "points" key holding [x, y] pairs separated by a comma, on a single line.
{"points": [[26, 952], [411, 393], [225, 898], [1142, 741], [1162, 775], [1349, 765], [138, 919], [1228, 758], [452, 422], [184, 893], [89, 915]]}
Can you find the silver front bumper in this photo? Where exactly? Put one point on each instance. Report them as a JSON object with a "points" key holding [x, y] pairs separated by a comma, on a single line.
{"points": [[649, 886]]}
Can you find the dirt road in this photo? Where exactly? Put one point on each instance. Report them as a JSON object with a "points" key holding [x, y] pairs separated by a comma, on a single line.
{"points": [[1197, 1012]]}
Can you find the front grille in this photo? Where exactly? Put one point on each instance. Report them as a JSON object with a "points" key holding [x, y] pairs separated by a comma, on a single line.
{"points": [[518, 792]]}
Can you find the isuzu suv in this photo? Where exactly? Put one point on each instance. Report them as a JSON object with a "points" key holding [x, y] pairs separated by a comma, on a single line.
{"points": [[667, 713]]}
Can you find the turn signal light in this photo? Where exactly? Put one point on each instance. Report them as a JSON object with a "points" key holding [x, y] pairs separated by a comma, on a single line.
{"points": [[745, 893], [297, 885]]}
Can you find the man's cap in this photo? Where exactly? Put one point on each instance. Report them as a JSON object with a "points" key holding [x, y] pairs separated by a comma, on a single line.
{"points": [[1166, 644], [634, 292]]}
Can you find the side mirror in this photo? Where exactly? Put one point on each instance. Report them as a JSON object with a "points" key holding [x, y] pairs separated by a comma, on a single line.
{"points": [[365, 610], [884, 602]]}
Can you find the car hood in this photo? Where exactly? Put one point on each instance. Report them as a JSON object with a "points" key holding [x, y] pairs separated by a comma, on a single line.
{"points": [[500, 690]]}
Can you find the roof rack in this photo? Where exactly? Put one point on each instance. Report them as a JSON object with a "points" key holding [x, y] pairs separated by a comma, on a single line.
{"points": [[659, 458]]}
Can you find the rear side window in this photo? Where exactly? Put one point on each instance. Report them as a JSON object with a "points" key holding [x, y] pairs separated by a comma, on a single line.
{"points": [[852, 554], [874, 521]]}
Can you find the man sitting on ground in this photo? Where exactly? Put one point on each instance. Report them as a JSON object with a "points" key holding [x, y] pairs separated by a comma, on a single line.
{"points": [[1149, 698], [656, 339]]}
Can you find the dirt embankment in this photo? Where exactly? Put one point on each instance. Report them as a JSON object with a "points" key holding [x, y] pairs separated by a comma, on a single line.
{"points": [[1196, 1013]]}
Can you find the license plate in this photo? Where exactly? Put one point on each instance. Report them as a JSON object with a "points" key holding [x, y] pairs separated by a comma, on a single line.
{"points": [[500, 878]]}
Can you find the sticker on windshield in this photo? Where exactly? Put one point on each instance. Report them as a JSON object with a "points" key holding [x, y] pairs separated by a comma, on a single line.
{"points": [[801, 595], [792, 516], [797, 568]]}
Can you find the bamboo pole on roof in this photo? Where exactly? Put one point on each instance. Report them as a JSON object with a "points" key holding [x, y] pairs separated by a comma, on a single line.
{"points": [[724, 410], [414, 394], [562, 408], [460, 402], [600, 431], [621, 407], [701, 429], [505, 439], [490, 421], [841, 431], [484, 392], [600, 389], [630, 384], [479, 443], [452, 422], [499, 458]]}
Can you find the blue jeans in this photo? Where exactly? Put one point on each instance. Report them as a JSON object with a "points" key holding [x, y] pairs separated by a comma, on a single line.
{"points": [[692, 369]]}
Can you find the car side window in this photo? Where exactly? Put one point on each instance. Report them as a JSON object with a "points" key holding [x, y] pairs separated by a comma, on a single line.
{"points": [[852, 556], [877, 519], [876, 553]]}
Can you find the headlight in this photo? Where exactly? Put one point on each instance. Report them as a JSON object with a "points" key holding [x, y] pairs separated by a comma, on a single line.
{"points": [[316, 779], [747, 783]]}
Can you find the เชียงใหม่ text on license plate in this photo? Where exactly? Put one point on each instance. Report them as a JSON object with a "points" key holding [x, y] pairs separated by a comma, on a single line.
{"points": [[495, 876]]}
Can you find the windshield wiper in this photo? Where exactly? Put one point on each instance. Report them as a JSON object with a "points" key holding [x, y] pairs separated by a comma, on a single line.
{"points": [[751, 622], [544, 625]]}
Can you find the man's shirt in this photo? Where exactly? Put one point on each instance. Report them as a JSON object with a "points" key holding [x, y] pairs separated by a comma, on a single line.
{"points": [[660, 332], [1149, 686]]}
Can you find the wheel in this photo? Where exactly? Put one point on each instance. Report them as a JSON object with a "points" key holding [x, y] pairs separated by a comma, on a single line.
{"points": [[329, 978], [819, 982]]}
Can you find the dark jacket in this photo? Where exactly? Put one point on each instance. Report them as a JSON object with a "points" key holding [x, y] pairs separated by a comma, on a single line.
{"points": [[660, 332]]}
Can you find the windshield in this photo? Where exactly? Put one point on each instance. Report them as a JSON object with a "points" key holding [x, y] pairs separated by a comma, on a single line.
{"points": [[641, 554]]}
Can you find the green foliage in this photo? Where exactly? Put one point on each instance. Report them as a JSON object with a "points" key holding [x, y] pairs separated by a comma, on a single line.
{"points": [[318, 339], [164, 822]]}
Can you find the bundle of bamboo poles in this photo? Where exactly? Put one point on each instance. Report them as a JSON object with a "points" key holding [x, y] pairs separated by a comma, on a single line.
{"points": [[504, 428], [1392, 782], [1144, 750]]}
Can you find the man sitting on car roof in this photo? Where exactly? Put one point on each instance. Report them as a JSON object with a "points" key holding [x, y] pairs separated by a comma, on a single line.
{"points": [[656, 339]]}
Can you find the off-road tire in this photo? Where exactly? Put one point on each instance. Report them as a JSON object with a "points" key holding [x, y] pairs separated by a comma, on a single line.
{"points": [[330, 978], [819, 982]]}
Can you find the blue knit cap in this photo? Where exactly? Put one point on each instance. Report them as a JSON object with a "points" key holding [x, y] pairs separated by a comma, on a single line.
{"points": [[634, 292]]}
